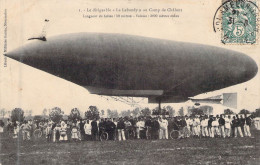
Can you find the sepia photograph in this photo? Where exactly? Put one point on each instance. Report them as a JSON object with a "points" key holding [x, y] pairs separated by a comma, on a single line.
{"points": [[129, 82]]}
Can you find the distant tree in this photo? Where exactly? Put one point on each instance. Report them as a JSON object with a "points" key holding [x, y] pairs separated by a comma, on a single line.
{"points": [[181, 111], [206, 109], [228, 112], [38, 118], [170, 110], [109, 113], [92, 113], [244, 111], [44, 112], [17, 114], [3, 112], [164, 112], [136, 112], [146, 112], [197, 111], [156, 111], [9, 113], [112, 113], [28, 113], [65, 117], [74, 114], [210, 112], [125, 113], [190, 109], [102, 112], [56, 114], [256, 113]]}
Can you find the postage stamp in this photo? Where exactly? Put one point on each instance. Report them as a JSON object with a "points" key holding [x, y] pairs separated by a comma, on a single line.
{"points": [[237, 20]]}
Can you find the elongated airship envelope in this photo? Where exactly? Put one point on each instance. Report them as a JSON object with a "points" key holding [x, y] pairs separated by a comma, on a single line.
{"points": [[126, 65]]}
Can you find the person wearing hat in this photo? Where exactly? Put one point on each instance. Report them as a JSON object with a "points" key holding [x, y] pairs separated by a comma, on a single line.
{"points": [[155, 127], [221, 122], [110, 129], [204, 126], [16, 129], [115, 121], [63, 131], [121, 129], [215, 126], [94, 128], [81, 129], [189, 125], [25, 127], [242, 122], [2, 124], [140, 129], [210, 128], [218, 131], [257, 122], [240, 125], [163, 134], [236, 124], [49, 132], [87, 130], [247, 125], [228, 126], [196, 126], [148, 125], [53, 130], [182, 127], [128, 127], [74, 132]]}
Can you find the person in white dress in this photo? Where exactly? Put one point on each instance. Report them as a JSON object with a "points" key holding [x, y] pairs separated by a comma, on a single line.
{"points": [[204, 126], [140, 127], [228, 126], [163, 134], [63, 132], [87, 129], [215, 127], [74, 132]]}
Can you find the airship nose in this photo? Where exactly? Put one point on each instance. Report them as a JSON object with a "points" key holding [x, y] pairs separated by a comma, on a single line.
{"points": [[249, 69], [16, 55], [239, 68]]}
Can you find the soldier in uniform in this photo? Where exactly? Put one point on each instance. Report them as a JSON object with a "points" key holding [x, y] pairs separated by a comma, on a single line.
{"points": [[26, 128], [120, 129], [63, 132], [221, 122], [228, 126], [204, 126], [247, 125]]}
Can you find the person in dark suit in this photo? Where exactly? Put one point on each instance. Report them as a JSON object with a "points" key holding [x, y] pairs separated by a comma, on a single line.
{"points": [[155, 126], [81, 129], [247, 125], [121, 129], [221, 122], [94, 129], [110, 129]]}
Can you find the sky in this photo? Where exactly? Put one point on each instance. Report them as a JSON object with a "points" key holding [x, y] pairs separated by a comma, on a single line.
{"points": [[32, 89]]}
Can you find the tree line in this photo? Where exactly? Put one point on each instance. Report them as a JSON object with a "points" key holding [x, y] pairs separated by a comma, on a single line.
{"points": [[56, 114]]}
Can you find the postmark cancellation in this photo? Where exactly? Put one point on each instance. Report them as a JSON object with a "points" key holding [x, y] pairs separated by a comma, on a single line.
{"points": [[237, 21]]}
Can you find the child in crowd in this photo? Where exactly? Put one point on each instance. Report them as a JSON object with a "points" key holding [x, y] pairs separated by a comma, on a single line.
{"points": [[74, 133]]}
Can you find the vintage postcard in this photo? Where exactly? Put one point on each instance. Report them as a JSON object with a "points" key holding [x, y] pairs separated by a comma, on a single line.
{"points": [[129, 82]]}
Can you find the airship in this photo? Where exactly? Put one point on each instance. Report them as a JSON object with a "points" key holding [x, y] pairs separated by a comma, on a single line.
{"points": [[164, 71]]}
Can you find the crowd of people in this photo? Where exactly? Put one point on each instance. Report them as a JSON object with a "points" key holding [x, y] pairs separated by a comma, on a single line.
{"points": [[124, 128]]}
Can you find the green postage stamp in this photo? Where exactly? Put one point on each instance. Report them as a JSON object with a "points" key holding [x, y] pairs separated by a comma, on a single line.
{"points": [[237, 20]]}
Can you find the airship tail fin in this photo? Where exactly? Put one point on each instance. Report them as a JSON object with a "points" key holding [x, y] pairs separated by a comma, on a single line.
{"points": [[226, 99], [230, 100]]}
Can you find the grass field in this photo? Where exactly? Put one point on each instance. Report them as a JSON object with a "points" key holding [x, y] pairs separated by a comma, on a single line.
{"points": [[185, 151]]}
